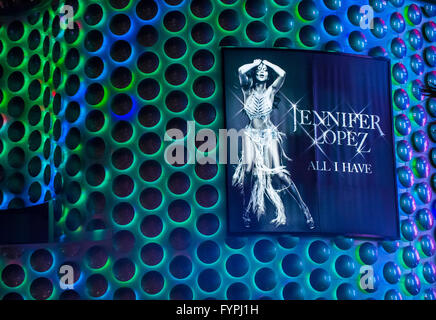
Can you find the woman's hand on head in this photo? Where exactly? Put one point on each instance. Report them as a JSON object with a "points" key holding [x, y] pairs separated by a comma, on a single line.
{"points": [[257, 62]]}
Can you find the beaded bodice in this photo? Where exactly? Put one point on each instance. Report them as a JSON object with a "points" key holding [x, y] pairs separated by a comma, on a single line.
{"points": [[258, 105]]}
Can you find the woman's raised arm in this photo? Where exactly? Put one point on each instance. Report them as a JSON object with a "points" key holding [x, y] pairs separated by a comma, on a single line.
{"points": [[277, 84], [242, 71]]}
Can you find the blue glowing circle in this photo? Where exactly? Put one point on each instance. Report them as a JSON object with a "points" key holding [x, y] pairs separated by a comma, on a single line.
{"points": [[431, 106], [333, 25], [345, 266], [180, 267], [422, 167], [180, 238], [357, 41], [397, 3], [430, 9], [256, 31], [354, 15], [378, 5], [265, 279], [256, 8], [283, 21], [417, 86], [403, 125], [407, 203], [152, 282], [404, 150], [412, 283], [208, 252], [288, 241], [414, 14], [292, 265], [428, 245], [399, 72], [401, 99], [430, 31], [415, 39], [425, 219], [390, 246], [378, 51], [393, 294], [391, 272], [346, 291], [333, 4], [344, 243], [380, 29], [368, 253], [405, 176], [424, 192], [398, 24], [417, 64], [293, 291], [319, 251], [264, 250], [181, 292], [320, 279], [429, 272], [409, 230], [237, 265], [430, 78], [430, 55], [430, 294], [183, 252], [309, 36], [433, 181], [420, 141], [411, 257], [433, 157], [333, 46], [419, 115], [398, 48], [308, 10], [374, 284], [208, 224], [238, 291], [235, 242], [209, 280]]}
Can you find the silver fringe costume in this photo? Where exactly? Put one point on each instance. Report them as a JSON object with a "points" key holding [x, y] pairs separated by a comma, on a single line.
{"points": [[258, 166], [258, 107], [261, 171]]}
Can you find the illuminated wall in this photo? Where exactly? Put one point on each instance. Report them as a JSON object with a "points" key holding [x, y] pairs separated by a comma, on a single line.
{"points": [[83, 116]]}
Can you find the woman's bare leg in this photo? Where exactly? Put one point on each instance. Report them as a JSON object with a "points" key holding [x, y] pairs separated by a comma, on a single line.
{"points": [[272, 160], [292, 189], [248, 158]]}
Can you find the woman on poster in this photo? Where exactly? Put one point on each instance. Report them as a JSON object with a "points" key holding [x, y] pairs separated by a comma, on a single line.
{"points": [[260, 173]]}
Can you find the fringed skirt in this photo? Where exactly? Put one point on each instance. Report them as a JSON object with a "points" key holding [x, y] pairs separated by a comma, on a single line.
{"points": [[262, 172]]}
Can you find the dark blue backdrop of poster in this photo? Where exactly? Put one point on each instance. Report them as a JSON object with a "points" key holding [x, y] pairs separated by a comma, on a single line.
{"points": [[343, 166]]}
